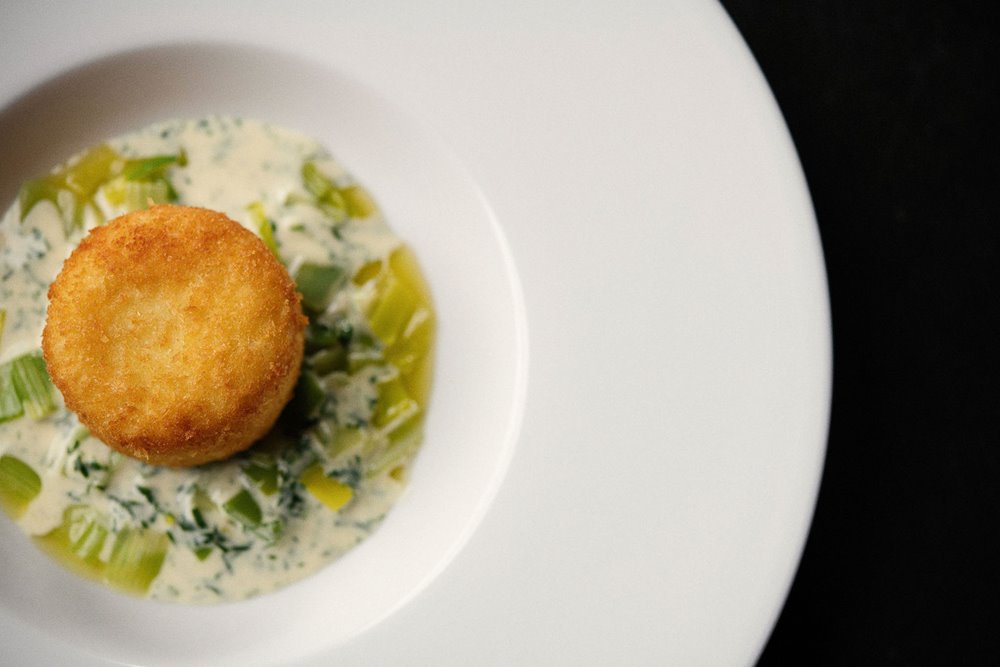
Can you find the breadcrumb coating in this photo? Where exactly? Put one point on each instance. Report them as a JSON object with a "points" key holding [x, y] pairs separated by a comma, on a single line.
{"points": [[174, 335]]}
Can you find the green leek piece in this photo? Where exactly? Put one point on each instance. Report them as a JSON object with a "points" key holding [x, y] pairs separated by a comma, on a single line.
{"points": [[265, 228], [267, 236], [337, 202], [391, 313], [334, 207], [308, 397], [32, 385], [134, 195], [359, 202], [82, 179], [87, 534], [144, 180], [10, 403], [328, 491], [91, 171], [371, 271], [394, 403], [346, 440], [329, 360], [152, 168], [263, 474], [136, 559], [402, 316], [244, 509], [78, 541], [315, 181], [321, 335], [38, 190], [404, 438], [328, 197], [19, 484], [413, 343], [3, 320], [318, 284]]}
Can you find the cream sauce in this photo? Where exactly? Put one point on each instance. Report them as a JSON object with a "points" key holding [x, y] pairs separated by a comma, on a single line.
{"points": [[230, 165]]}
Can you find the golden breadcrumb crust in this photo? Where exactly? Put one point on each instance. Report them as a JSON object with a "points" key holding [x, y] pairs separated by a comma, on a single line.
{"points": [[174, 335]]}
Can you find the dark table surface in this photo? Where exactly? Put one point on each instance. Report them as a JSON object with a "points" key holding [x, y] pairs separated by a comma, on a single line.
{"points": [[893, 108]]}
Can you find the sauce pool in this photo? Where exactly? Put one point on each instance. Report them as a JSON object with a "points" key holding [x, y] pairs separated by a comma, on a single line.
{"points": [[325, 477]]}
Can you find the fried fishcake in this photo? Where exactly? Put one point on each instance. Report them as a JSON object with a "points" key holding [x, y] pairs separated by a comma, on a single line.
{"points": [[174, 335]]}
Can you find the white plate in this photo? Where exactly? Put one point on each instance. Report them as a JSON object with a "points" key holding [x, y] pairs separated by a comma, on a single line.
{"points": [[618, 200]]}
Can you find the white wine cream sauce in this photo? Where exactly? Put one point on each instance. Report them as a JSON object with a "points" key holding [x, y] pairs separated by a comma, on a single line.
{"points": [[310, 492]]}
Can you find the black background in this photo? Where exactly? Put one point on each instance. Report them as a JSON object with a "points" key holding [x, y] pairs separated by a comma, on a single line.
{"points": [[893, 108]]}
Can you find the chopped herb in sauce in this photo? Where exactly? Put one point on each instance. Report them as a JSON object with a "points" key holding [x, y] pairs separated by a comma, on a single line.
{"points": [[325, 477]]}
